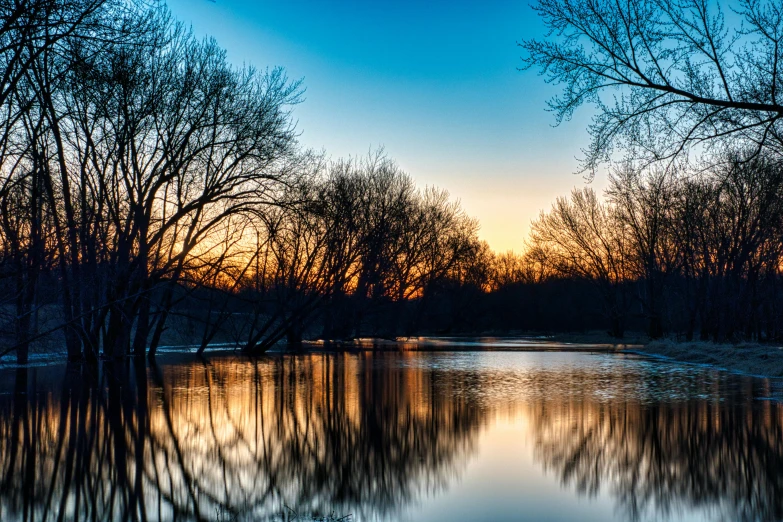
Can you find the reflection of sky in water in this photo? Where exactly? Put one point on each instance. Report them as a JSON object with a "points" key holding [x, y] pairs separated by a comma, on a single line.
{"points": [[436, 436]]}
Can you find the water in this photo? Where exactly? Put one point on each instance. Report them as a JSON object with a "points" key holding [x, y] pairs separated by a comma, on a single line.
{"points": [[419, 436]]}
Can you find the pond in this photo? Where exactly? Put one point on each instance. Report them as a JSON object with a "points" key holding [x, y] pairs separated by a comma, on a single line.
{"points": [[387, 436]]}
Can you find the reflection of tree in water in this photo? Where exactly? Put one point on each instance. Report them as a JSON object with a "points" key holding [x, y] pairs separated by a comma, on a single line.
{"points": [[369, 435], [58, 456], [724, 455], [315, 433]]}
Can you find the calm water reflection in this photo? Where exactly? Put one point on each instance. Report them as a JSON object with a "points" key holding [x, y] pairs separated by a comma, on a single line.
{"points": [[390, 436]]}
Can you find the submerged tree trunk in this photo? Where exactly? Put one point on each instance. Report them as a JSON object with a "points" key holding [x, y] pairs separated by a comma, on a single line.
{"points": [[293, 335], [24, 293]]}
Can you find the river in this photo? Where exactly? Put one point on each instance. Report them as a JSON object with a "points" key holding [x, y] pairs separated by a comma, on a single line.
{"points": [[384, 436]]}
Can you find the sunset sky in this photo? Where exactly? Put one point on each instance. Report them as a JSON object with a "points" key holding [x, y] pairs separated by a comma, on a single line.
{"points": [[436, 85]]}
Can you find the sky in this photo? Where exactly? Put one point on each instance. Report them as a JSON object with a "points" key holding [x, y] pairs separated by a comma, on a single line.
{"points": [[435, 83]]}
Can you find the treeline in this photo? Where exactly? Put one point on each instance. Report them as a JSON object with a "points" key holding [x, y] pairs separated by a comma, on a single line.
{"points": [[697, 253], [147, 186], [690, 251], [351, 249]]}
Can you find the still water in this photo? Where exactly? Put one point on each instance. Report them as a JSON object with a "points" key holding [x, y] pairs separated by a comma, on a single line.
{"points": [[419, 436]]}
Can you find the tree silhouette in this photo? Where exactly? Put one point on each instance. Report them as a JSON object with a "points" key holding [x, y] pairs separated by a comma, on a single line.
{"points": [[664, 75]]}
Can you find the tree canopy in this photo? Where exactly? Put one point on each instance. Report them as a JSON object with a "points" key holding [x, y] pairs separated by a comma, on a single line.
{"points": [[665, 76]]}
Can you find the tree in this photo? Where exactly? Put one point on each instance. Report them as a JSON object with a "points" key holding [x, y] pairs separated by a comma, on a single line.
{"points": [[643, 202], [664, 75], [135, 148], [33, 32], [584, 238]]}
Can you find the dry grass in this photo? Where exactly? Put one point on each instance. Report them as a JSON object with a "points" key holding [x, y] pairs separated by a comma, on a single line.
{"points": [[752, 358]]}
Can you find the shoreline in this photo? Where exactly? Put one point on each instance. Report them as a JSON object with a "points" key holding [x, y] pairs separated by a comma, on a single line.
{"points": [[747, 358], [760, 360]]}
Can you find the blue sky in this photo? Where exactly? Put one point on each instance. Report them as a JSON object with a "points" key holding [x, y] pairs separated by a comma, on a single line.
{"points": [[435, 83]]}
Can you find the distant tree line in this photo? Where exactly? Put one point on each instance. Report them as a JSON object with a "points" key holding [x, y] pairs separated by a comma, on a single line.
{"points": [[690, 252], [350, 249], [696, 254]]}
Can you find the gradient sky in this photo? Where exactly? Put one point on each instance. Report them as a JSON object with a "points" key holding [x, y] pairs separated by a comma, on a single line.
{"points": [[435, 83]]}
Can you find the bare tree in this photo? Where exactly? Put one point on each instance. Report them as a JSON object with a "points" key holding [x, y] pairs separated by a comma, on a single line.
{"points": [[664, 75], [643, 201], [140, 143], [585, 238]]}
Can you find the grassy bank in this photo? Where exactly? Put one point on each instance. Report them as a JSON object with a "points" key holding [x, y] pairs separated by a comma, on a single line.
{"points": [[752, 358], [757, 359]]}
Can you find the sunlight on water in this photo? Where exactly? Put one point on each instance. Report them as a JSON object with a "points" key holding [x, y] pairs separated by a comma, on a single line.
{"points": [[436, 436]]}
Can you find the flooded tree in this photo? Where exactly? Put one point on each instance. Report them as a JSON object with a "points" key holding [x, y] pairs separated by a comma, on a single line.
{"points": [[136, 146], [147, 186]]}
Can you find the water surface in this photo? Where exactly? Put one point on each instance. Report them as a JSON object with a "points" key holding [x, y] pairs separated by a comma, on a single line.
{"points": [[419, 436]]}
